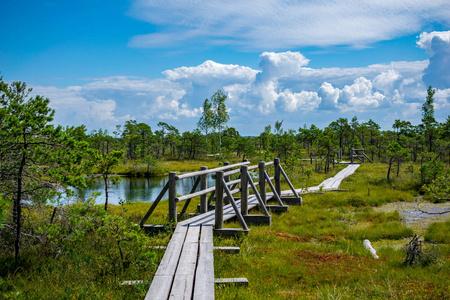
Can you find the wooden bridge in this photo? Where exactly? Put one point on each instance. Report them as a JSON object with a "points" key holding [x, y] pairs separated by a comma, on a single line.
{"points": [[187, 268]]}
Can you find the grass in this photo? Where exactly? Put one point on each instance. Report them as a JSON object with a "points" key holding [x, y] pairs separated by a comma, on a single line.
{"points": [[314, 251], [438, 232]]}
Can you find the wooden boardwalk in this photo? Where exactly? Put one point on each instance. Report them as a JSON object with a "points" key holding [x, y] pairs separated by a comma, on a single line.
{"points": [[187, 268], [188, 259]]}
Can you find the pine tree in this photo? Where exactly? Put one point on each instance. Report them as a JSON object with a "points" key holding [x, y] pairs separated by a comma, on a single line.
{"points": [[37, 159]]}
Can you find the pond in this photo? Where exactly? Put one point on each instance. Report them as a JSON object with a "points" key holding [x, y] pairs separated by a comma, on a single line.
{"points": [[136, 189]]}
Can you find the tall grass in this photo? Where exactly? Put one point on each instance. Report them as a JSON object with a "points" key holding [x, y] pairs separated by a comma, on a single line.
{"points": [[313, 251]]}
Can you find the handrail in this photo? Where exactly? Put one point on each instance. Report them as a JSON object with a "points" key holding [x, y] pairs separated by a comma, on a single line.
{"points": [[196, 194], [229, 187], [231, 172], [209, 171]]}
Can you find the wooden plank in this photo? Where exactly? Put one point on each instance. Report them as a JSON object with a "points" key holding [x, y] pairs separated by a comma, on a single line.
{"points": [[235, 250], [236, 281], [160, 288], [169, 261], [228, 213], [204, 278], [182, 287], [132, 282], [183, 283], [206, 235]]}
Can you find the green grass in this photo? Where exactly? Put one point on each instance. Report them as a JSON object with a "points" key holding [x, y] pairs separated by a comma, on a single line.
{"points": [[438, 232], [314, 251]]}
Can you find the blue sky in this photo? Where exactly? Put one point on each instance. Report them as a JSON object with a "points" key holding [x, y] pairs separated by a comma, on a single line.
{"points": [[305, 62]]}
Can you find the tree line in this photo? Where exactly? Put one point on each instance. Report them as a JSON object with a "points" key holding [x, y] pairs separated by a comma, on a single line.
{"points": [[39, 160]]}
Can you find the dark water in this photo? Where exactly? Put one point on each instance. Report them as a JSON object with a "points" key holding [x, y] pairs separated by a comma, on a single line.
{"points": [[134, 189]]}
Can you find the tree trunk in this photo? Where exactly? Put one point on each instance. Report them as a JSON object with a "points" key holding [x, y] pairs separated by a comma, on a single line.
{"points": [[17, 203], [389, 169], [105, 178]]}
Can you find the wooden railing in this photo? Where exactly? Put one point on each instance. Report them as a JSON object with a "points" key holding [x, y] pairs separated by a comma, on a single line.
{"points": [[360, 154], [227, 189]]}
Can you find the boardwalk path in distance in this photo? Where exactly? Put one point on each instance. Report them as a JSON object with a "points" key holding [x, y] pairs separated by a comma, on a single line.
{"points": [[187, 269]]}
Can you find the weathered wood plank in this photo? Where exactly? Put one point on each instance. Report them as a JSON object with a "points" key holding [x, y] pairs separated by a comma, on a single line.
{"points": [[183, 283], [160, 288], [204, 277], [236, 281], [132, 282], [182, 287], [162, 282], [235, 250], [169, 261]]}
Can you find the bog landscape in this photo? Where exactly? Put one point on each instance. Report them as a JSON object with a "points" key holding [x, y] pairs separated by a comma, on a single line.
{"points": [[208, 149], [380, 230]]}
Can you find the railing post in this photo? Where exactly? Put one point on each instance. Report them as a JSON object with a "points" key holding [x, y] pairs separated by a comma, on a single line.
{"points": [[203, 186], [172, 197], [244, 190], [276, 165], [227, 179], [351, 156], [219, 200], [262, 181]]}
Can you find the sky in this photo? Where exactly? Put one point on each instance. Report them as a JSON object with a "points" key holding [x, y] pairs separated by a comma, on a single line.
{"points": [[102, 63]]}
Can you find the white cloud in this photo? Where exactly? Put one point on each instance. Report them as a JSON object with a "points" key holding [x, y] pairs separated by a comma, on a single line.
{"points": [[204, 73], [292, 102], [329, 96], [437, 45], [388, 81], [281, 24], [280, 65], [74, 109], [284, 88], [359, 96]]}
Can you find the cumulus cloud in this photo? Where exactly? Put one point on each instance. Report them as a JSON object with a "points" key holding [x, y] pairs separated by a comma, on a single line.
{"points": [[329, 96], [281, 24], [279, 65], [359, 96], [284, 87], [437, 45], [292, 102], [388, 82], [212, 70]]}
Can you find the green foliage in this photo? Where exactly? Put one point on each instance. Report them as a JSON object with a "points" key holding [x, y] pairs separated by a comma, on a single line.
{"points": [[220, 114], [395, 152], [104, 163], [84, 252], [430, 171], [37, 159], [4, 207], [439, 188], [206, 121]]}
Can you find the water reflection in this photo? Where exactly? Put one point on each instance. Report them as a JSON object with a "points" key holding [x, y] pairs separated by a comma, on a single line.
{"points": [[133, 189]]}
